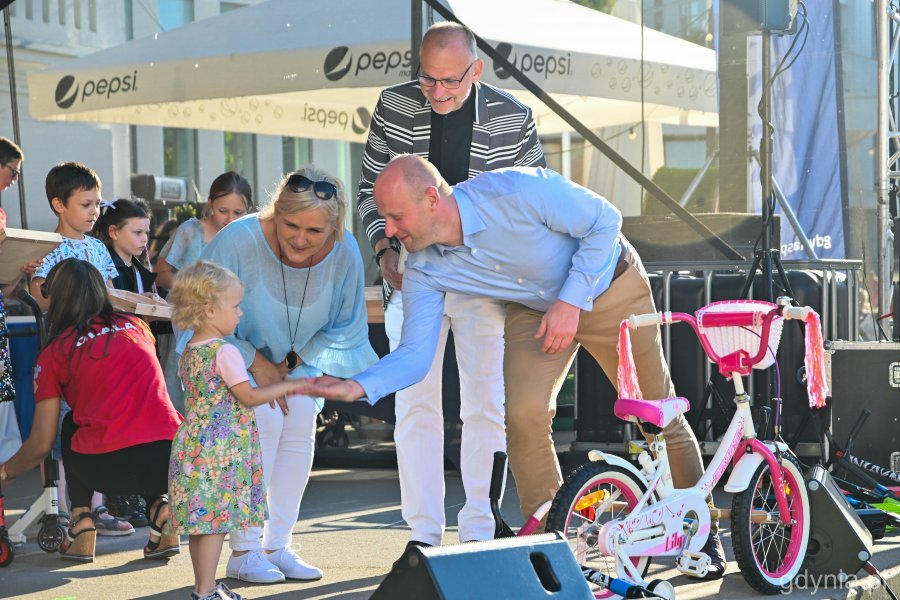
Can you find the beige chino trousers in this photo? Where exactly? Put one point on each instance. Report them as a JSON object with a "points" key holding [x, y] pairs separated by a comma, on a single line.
{"points": [[533, 379]]}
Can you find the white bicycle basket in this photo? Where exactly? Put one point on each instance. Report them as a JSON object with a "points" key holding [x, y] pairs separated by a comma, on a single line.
{"points": [[730, 339]]}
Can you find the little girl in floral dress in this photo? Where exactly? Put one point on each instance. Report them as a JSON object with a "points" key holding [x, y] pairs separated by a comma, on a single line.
{"points": [[215, 469]]}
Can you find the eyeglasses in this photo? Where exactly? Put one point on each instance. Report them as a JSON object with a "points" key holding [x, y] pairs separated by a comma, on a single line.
{"points": [[15, 172], [324, 190], [450, 84]]}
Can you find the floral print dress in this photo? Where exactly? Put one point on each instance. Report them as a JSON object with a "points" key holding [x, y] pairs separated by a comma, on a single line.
{"points": [[215, 469]]}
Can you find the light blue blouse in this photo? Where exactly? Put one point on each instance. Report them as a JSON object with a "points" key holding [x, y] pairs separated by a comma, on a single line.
{"points": [[185, 246], [333, 335]]}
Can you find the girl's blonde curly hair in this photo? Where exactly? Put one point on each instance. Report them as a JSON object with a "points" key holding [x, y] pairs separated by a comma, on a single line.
{"points": [[198, 288]]}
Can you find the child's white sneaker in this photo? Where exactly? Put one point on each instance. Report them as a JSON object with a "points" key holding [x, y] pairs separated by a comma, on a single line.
{"points": [[293, 566], [253, 567]]}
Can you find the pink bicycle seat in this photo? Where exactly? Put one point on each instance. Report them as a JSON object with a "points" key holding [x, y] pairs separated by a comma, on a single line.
{"points": [[657, 412]]}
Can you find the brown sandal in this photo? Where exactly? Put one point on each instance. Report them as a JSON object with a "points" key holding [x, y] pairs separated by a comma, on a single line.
{"points": [[79, 547], [167, 543]]}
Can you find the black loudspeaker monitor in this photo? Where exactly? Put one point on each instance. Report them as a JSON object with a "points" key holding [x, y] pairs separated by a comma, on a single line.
{"points": [[865, 375], [537, 566], [839, 543]]}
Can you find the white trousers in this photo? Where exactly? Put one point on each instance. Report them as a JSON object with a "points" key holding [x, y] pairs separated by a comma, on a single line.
{"points": [[477, 326], [287, 443]]}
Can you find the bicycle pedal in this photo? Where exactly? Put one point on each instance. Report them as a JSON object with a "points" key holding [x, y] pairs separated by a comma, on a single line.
{"points": [[693, 563]]}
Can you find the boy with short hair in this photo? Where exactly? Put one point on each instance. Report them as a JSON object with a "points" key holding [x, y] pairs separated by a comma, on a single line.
{"points": [[73, 191]]}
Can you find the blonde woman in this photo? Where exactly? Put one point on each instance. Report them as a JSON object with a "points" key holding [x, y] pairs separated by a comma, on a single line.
{"points": [[304, 314]]}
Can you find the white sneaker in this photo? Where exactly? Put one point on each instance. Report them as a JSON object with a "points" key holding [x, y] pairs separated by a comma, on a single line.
{"points": [[253, 568], [293, 566]]}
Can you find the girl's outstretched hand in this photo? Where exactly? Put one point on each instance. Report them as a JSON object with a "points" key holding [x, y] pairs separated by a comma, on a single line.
{"points": [[330, 388]]}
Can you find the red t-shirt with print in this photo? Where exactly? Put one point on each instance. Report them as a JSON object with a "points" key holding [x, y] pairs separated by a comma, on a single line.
{"points": [[114, 384]]}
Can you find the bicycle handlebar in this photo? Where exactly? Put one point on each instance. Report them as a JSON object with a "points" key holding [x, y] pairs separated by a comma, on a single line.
{"points": [[726, 318], [660, 318], [800, 313], [854, 431]]}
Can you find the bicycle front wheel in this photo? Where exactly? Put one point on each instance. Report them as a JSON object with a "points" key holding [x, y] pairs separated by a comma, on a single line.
{"points": [[593, 495], [768, 552]]}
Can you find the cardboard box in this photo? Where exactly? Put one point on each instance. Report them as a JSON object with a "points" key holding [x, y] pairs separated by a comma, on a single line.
{"points": [[139, 304], [22, 246]]}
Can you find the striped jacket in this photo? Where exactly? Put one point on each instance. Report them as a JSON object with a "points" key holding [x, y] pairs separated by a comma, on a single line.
{"points": [[503, 135]]}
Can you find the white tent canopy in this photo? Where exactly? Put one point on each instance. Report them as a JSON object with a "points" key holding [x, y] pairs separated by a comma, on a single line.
{"points": [[313, 69]]}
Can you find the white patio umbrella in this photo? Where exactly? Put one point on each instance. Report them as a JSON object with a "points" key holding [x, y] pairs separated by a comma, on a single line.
{"points": [[313, 69]]}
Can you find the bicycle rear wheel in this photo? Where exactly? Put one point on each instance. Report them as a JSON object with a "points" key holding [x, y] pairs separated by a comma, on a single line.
{"points": [[593, 495], [768, 552]]}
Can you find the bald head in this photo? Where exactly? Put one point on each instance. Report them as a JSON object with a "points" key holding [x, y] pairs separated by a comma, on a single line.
{"points": [[409, 175], [417, 204]]}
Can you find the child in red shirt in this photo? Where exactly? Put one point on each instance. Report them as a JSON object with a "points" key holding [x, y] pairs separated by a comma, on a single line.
{"points": [[118, 435]]}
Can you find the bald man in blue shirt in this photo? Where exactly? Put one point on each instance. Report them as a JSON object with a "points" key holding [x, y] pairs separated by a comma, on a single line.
{"points": [[554, 251]]}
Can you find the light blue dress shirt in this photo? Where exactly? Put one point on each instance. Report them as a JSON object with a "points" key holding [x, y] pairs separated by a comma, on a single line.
{"points": [[530, 236]]}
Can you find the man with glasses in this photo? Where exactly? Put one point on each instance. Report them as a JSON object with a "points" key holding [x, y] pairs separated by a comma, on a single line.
{"points": [[462, 127], [11, 158]]}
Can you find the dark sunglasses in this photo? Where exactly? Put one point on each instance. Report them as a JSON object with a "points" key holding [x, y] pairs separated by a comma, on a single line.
{"points": [[45, 289], [324, 190]]}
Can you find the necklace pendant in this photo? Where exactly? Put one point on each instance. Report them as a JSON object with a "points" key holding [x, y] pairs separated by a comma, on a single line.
{"points": [[292, 359]]}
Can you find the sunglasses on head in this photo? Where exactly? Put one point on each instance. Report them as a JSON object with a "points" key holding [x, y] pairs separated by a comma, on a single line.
{"points": [[324, 190]]}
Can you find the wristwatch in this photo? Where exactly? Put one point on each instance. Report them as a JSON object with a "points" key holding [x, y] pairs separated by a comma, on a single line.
{"points": [[381, 253]]}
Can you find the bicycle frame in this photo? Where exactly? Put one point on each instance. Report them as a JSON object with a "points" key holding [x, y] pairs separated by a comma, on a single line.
{"points": [[859, 467], [658, 529], [632, 513], [842, 459]]}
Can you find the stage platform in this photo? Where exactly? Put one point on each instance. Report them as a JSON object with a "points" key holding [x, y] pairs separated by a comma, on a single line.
{"points": [[350, 526]]}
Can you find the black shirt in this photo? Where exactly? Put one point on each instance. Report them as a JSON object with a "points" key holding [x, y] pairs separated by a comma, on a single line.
{"points": [[128, 274], [451, 141]]}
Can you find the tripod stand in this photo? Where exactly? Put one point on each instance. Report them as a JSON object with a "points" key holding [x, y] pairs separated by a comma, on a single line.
{"points": [[767, 259]]}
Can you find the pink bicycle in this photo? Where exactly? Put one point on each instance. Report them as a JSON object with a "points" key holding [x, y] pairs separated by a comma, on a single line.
{"points": [[617, 516]]}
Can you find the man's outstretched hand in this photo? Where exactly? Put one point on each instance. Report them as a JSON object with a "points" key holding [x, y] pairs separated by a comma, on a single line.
{"points": [[332, 388]]}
